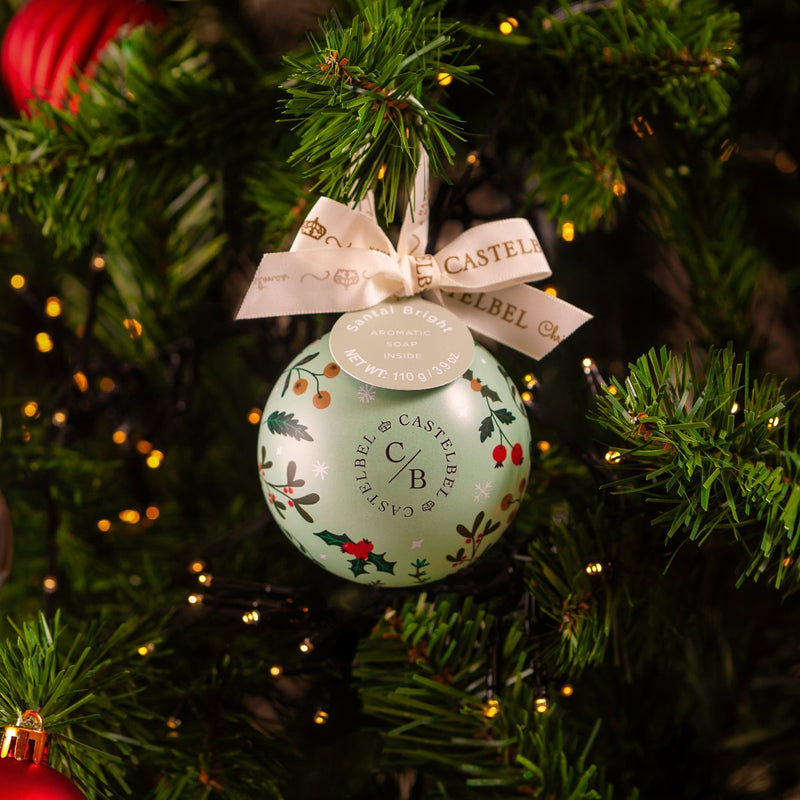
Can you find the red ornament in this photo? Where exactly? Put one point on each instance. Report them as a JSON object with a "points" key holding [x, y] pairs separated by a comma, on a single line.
{"points": [[24, 780], [49, 41]]}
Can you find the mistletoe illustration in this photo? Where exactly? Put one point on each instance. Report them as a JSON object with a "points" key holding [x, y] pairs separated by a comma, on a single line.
{"points": [[286, 490], [322, 397], [473, 538], [494, 421], [362, 552]]}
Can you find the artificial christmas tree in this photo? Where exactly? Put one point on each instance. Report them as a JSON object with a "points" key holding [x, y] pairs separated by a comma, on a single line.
{"points": [[634, 630]]}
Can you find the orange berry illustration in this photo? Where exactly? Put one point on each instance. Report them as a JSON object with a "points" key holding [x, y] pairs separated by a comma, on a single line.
{"points": [[506, 502], [475, 384], [331, 370], [300, 385], [322, 399]]}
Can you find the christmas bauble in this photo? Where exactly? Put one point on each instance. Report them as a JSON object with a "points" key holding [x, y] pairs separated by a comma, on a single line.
{"points": [[24, 780], [392, 487], [49, 41]]}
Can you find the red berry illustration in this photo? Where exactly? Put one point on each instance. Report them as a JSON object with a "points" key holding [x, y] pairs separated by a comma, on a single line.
{"points": [[360, 550], [499, 455], [516, 454]]}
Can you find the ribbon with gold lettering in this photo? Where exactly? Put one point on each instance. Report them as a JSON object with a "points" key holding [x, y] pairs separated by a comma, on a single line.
{"points": [[341, 260]]}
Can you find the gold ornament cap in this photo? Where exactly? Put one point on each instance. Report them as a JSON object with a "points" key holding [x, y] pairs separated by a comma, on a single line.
{"points": [[27, 740]]}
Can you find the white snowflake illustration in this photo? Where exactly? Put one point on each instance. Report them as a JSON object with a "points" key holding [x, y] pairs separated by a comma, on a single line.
{"points": [[366, 393], [320, 470], [482, 491]]}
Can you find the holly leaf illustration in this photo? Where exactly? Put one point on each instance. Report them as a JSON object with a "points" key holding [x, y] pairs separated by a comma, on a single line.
{"points": [[279, 507], [486, 428], [357, 566], [305, 360], [286, 382], [505, 416], [380, 562], [490, 393], [284, 423], [336, 539]]}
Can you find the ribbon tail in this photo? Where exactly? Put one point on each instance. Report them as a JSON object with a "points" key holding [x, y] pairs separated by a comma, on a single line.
{"points": [[521, 317]]}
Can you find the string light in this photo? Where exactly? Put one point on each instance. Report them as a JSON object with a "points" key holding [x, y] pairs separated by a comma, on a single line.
{"points": [[567, 690], [251, 617], [98, 263], [276, 670], [119, 436], [197, 566], [612, 456], [491, 708], [612, 389], [152, 512], [541, 704], [80, 380], [594, 568], [568, 231], [321, 717], [50, 584], [618, 187], [205, 578], [52, 307], [473, 159], [133, 326], [173, 723], [773, 422], [444, 79], [527, 398], [104, 525], [18, 281], [543, 445], [144, 447], [734, 407], [254, 416], [381, 172], [44, 342], [154, 459], [130, 515], [194, 599], [59, 418], [306, 646], [107, 384], [145, 649], [529, 380], [506, 27], [552, 291], [31, 409]]}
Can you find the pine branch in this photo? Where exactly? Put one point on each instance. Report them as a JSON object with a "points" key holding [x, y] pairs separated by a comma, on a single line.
{"points": [[433, 700], [366, 99], [716, 450]]}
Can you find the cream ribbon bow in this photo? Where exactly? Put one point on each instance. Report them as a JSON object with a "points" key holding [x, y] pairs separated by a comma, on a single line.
{"points": [[341, 260]]}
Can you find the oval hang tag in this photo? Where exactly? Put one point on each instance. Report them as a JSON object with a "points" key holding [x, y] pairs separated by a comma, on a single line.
{"points": [[407, 344]]}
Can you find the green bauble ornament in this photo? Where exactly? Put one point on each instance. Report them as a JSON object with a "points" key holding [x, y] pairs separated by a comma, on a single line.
{"points": [[392, 487]]}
